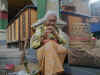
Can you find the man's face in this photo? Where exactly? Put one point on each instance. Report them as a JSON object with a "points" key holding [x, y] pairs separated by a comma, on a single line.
{"points": [[51, 21]]}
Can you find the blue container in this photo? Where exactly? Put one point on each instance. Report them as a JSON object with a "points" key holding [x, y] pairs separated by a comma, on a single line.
{"points": [[95, 27]]}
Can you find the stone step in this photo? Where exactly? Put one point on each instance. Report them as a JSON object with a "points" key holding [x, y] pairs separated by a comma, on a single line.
{"points": [[9, 49], [9, 60], [10, 56], [7, 52]]}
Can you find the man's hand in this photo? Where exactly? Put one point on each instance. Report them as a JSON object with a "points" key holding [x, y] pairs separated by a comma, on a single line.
{"points": [[51, 29]]}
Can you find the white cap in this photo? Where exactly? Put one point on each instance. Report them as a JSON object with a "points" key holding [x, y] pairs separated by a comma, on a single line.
{"points": [[50, 13], [45, 17]]}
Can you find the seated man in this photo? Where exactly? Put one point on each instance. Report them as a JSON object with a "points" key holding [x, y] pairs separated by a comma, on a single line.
{"points": [[49, 42]]}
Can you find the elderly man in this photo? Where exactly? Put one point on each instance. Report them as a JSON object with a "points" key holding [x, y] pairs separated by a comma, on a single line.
{"points": [[49, 42]]}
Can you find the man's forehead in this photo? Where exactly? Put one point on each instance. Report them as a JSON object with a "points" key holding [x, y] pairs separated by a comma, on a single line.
{"points": [[51, 16]]}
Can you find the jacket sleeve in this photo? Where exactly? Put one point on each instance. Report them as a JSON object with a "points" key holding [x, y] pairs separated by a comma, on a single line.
{"points": [[63, 38], [35, 41]]}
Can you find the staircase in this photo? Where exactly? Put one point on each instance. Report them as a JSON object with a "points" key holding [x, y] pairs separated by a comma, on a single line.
{"points": [[9, 56]]}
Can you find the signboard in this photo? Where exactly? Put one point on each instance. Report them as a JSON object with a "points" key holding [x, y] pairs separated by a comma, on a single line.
{"points": [[3, 19]]}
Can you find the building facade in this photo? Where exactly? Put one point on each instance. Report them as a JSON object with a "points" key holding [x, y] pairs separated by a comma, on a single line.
{"points": [[3, 22], [81, 6], [95, 8], [19, 29]]}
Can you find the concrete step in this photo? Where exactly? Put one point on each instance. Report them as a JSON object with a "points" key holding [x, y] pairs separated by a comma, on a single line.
{"points": [[9, 60], [10, 56], [9, 49], [10, 53]]}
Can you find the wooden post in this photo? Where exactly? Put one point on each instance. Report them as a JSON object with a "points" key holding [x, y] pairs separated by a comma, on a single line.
{"points": [[29, 25]]}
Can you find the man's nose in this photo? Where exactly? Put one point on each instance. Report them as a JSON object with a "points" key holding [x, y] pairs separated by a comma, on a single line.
{"points": [[52, 23]]}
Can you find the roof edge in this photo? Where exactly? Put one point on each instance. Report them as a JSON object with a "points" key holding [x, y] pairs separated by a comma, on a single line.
{"points": [[18, 14]]}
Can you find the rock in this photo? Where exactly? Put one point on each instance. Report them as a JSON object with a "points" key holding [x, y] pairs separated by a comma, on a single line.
{"points": [[86, 57]]}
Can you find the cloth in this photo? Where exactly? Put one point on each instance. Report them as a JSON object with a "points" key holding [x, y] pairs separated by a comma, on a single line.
{"points": [[51, 58], [35, 41], [31, 56]]}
